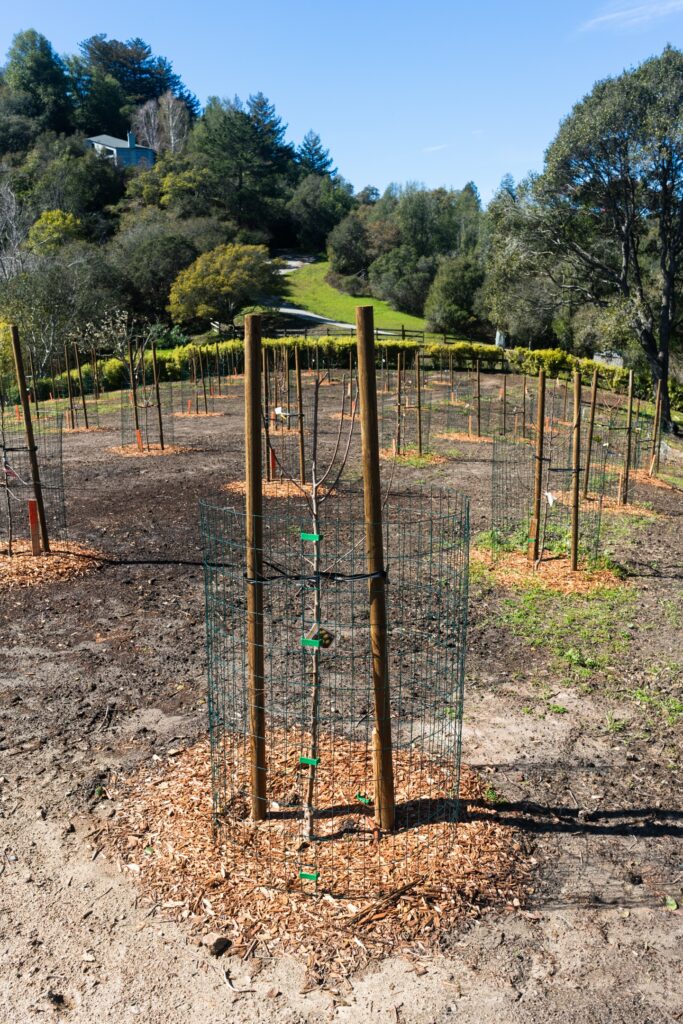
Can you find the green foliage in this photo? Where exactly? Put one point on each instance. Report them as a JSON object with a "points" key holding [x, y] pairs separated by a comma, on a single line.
{"points": [[52, 229], [222, 282], [450, 302]]}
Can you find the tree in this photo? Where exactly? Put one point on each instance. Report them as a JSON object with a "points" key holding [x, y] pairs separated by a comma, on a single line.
{"points": [[605, 219], [222, 282], [318, 204], [150, 263], [53, 229], [347, 246], [163, 124], [34, 70], [312, 158], [450, 302], [403, 279]]}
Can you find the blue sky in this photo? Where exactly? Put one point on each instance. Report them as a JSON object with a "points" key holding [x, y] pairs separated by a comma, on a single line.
{"points": [[441, 92]]}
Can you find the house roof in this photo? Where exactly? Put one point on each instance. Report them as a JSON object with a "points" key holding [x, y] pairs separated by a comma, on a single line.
{"points": [[114, 143]]}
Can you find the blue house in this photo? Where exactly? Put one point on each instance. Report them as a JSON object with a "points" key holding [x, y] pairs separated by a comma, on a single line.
{"points": [[124, 152]]}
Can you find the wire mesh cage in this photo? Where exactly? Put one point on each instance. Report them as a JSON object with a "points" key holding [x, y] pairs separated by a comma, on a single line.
{"points": [[153, 422], [17, 482], [319, 830]]}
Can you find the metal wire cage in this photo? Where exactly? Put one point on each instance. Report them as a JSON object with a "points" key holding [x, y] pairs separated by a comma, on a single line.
{"points": [[16, 483], [319, 831]]}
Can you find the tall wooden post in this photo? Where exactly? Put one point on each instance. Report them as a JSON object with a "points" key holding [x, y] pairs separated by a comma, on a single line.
{"points": [[372, 495], [203, 379], [300, 416], [155, 367], [576, 470], [266, 407], [478, 398], [524, 406], [418, 378], [535, 530], [254, 543], [629, 432], [131, 370], [218, 370], [80, 385], [70, 390], [589, 439], [450, 371], [30, 438], [95, 372]]}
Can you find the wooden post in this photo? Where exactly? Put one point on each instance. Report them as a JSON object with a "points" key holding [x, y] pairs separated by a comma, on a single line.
{"points": [[576, 470], [300, 416], [399, 380], [418, 378], [33, 526], [589, 439], [535, 530], [218, 370], [655, 427], [70, 392], [266, 408], [157, 393], [203, 379], [524, 406], [254, 553], [134, 388], [505, 402], [478, 398], [629, 431], [372, 496], [34, 382], [30, 438], [80, 385], [450, 371]]}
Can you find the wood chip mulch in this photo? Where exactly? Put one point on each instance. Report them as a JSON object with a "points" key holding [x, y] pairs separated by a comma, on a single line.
{"points": [[273, 489], [195, 415], [512, 569], [66, 561], [423, 879], [131, 451], [609, 504], [463, 437], [642, 476]]}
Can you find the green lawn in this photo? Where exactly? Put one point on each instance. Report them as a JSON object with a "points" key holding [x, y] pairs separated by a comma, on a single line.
{"points": [[308, 289]]}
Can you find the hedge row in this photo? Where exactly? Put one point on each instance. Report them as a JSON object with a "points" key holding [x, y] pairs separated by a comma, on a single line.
{"points": [[173, 363]]}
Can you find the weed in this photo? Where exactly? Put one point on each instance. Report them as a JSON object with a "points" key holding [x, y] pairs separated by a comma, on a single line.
{"points": [[615, 724], [558, 709]]}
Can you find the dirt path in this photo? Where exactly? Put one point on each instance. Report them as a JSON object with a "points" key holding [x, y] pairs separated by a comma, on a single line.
{"points": [[110, 672]]}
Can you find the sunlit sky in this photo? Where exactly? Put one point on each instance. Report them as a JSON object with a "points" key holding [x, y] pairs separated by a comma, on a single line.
{"points": [[440, 92]]}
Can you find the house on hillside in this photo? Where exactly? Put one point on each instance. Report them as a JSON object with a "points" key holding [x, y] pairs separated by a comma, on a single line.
{"points": [[124, 152]]}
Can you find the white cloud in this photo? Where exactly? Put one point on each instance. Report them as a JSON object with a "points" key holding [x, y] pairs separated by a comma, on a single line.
{"points": [[625, 14], [435, 149]]}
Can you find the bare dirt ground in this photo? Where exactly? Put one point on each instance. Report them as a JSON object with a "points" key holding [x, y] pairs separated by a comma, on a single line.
{"points": [[106, 673]]}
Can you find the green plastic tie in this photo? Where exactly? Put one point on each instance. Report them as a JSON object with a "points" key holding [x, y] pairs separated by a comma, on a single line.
{"points": [[309, 642], [363, 799], [310, 876], [309, 760], [315, 537]]}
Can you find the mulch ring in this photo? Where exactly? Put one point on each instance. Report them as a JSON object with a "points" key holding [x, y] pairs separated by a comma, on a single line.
{"points": [[553, 572], [275, 489], [66, 561], [642, 476], [195, 415], [426, 459], [462, 436], [246, 884], [131, 451]]}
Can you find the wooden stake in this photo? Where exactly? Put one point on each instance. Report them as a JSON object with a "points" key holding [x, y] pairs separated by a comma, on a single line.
{"points": [[535, 530], [134, 388], [300, 416], [576, 470], [157, 393], [203, 379], [419, 402], [478, 398], [218, 370], [505, 402], [399, 380], [524, 406], [372, 495], [629, 431], [254, 553], [72, 413], [30, 438], [34, 382], [266, 409], [589, 439], [80, 385], [33, 526], [655, 427]]}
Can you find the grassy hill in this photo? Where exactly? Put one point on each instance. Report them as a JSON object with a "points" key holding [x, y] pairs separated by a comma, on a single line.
{"points": [[308, 289]]}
